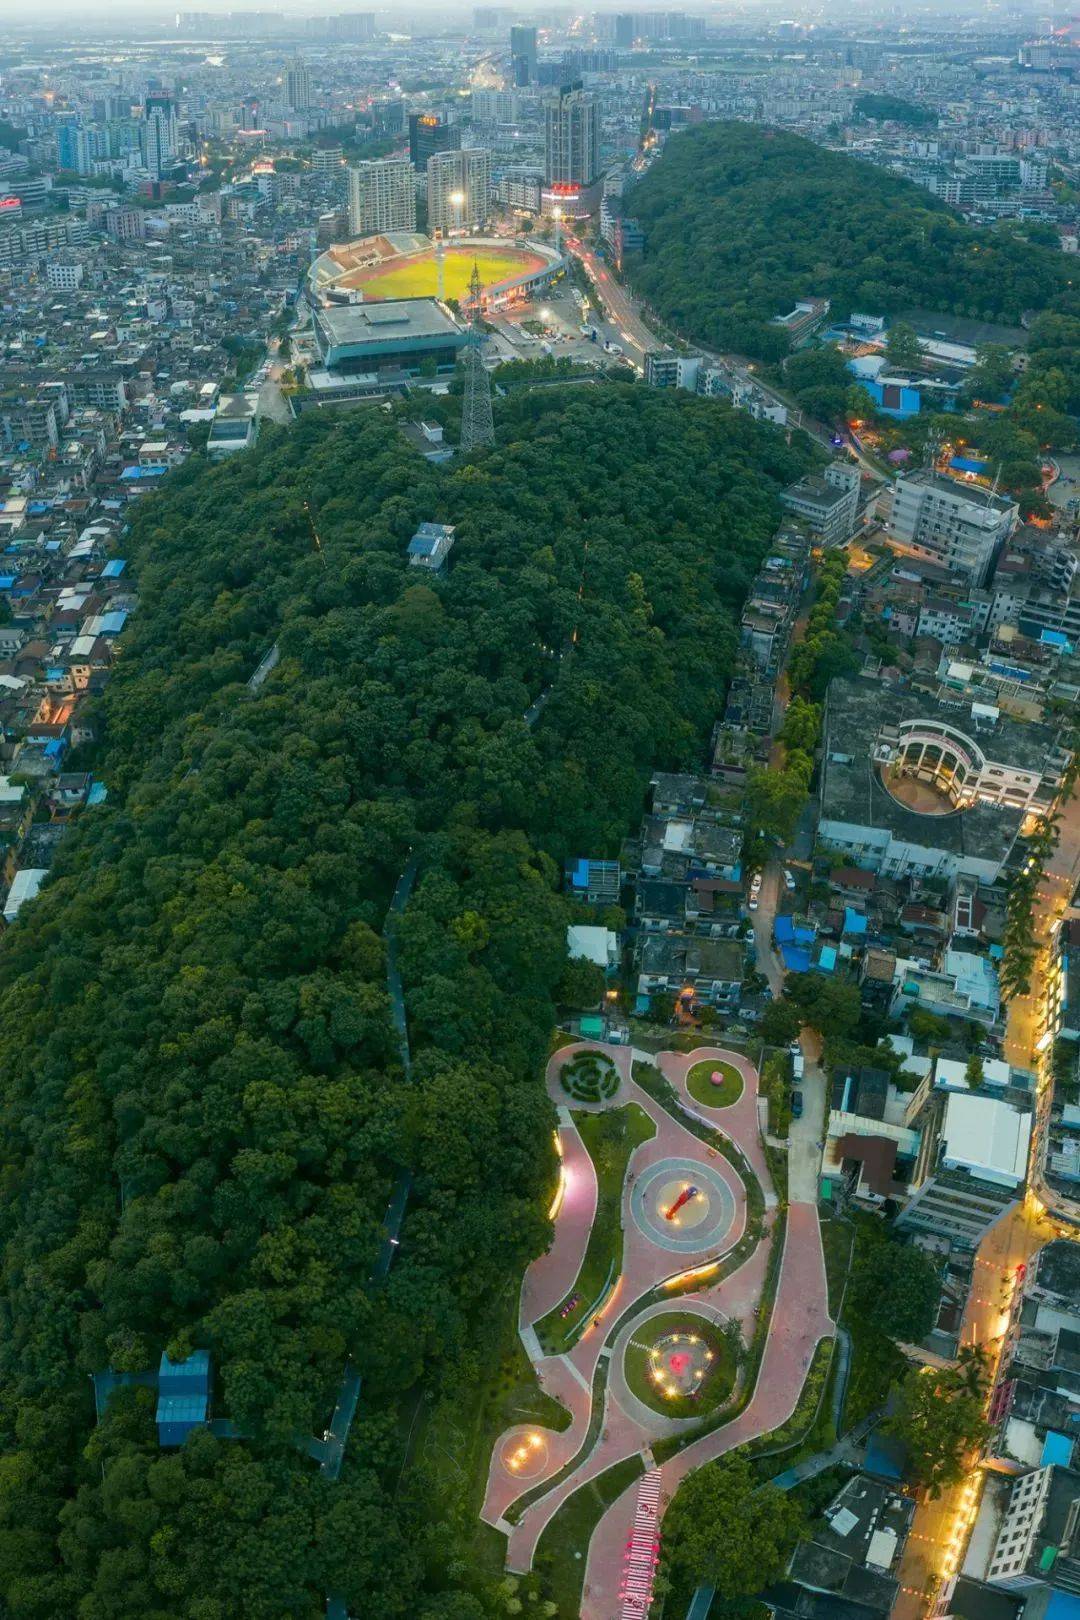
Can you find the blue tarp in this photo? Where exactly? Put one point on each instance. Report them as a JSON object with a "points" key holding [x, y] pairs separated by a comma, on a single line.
{"points": [[113, 570], [854, 921], [796, 958], [97, 794], [826, 961], [967, 464]]}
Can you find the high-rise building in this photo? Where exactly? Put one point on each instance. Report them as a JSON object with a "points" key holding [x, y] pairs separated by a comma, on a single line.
{"points": [[76, 148], [160, 134], [572, 151], [459, 189], [428, 134], [625, 29], [382, 197], [298, 85], [523, 55], [961, 527]]}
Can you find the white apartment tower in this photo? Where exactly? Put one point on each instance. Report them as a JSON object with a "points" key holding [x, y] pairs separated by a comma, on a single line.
{"points": [[458, 189], [382, 197], [160, 135], [961, 527], [298, 85]]}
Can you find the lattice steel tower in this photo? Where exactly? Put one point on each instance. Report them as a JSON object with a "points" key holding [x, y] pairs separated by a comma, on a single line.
{"points": [[477, 426]]}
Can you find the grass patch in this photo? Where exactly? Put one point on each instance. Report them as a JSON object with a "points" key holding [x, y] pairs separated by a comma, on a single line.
{"points": [[876, 1363], [776, 1086], [451, 1441], [837, 1242], [699, 1083], [715, 1387], [563, 1547], [610, 1140], [419, 278], [589, 1077]]}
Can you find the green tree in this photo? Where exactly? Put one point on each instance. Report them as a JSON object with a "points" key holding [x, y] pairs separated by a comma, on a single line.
{"points": [[974, 1071], [902, 346], [940, 1418], [897, 1286], [728, 1532]]}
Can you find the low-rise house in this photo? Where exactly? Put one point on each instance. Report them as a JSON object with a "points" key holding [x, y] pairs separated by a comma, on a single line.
{"points": [[431, 545]]}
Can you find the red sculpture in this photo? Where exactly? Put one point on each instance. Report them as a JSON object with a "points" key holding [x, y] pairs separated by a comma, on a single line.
{"points": [[683, 1198]]}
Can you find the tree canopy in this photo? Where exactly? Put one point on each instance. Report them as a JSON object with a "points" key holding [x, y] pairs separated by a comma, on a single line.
{"points": [[724, 1530], [203, 1103], [741, 222]]}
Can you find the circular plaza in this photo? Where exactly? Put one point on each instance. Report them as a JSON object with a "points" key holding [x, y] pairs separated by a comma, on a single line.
{"points": [[683, 1206]]}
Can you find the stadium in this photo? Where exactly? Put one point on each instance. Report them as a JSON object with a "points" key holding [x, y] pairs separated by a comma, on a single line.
{"points": [[406, 264]]}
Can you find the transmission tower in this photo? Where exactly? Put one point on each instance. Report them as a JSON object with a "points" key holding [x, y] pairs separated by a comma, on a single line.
{"points": [[477, 426]]}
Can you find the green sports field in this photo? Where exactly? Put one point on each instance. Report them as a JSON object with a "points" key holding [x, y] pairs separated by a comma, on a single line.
{"points": [[419, 277]]}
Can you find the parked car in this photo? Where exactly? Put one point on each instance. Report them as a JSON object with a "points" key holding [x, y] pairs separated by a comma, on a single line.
{"points": [[798, 1065], [789, 881], [796, 1105]]}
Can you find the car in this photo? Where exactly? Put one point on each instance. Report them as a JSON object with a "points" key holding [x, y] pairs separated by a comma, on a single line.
{"points": [[755, 883], [796, 1105], [789, 881], [752, 903]]}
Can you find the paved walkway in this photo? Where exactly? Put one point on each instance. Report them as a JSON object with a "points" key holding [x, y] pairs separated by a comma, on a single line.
{"points": [[799, 1321]]}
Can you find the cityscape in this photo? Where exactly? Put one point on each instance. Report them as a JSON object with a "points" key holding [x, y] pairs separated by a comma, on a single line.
{"points": [[539, 756]]}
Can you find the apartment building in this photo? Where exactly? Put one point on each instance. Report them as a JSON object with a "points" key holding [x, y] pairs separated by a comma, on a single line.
{"points": [[961, 527], [382, 197]]}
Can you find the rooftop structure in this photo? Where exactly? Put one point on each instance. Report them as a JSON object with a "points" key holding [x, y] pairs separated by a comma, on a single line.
{"points": [[909, 783], [372, 337]]}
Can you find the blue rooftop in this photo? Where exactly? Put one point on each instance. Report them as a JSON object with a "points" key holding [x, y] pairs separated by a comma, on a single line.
{"points": [[1057, 1449], [796, 958], [113, 569], [854, 921]]}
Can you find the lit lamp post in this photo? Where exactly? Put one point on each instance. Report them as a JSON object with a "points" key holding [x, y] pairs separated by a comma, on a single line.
{"points": [[456, 199]]}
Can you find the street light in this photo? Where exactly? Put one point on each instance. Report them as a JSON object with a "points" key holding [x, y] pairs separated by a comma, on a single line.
{"points": [[457, 201]]}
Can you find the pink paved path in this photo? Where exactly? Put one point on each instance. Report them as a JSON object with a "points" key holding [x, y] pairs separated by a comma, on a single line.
{"points": [[800, 1319], [551, 1277]]}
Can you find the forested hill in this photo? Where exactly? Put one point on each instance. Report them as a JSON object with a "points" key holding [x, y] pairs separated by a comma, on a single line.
{"points": [[740, 222], [202, 1103]]}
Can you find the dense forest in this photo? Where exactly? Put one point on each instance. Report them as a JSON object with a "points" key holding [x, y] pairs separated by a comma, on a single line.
{"points": [[741, 222], [203, 1105]]}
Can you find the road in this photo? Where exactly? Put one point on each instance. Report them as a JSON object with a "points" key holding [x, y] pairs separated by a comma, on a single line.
{"points": [[626, 315]]}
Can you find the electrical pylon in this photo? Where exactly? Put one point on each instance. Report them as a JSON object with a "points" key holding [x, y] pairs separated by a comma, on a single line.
{"points": [[477, 426]]}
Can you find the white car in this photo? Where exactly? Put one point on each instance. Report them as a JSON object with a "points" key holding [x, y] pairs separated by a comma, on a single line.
{"points": [[752, 903], [789, 881], [755, 883]]}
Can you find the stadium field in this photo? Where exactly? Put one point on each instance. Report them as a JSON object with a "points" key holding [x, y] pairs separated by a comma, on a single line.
{"points": [[419, 277]]}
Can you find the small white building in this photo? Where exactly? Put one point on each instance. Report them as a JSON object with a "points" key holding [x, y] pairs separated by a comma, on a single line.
{"points": [[597, 945], [986, 1136], [431, 545], [24, 886]]}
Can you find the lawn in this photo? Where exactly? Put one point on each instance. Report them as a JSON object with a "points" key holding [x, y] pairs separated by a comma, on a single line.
{"points": [[420, 278], [610, 1139], [715, 1387], [699, 1083], [563, 1547]]}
